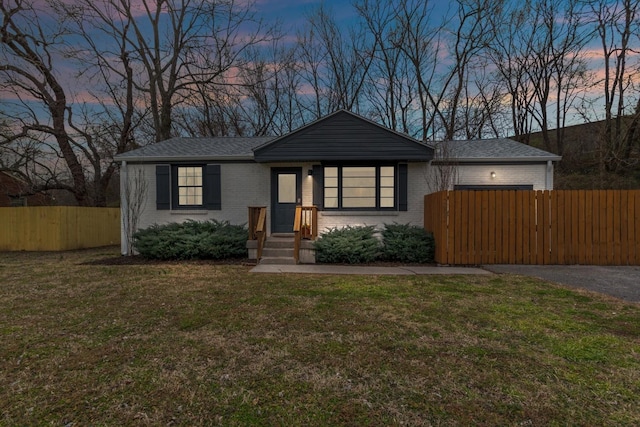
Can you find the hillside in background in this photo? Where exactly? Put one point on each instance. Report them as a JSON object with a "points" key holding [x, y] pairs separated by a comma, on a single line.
{"points": [[582, 160]]}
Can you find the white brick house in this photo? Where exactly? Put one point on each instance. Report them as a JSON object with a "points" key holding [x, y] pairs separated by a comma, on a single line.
{"points": [[354, 171]]}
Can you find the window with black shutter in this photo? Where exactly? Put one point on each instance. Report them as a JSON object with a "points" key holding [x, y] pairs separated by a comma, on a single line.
{"points": [[188, 187], [361, 187]]}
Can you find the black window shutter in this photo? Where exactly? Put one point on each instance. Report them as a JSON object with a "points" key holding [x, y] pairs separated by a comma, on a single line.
{"points": [[402, 187], [163, 187], [212, 188], [318, 186]]}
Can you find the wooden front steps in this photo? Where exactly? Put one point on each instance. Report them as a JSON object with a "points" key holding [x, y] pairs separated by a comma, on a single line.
{"points": [[278, 249]]}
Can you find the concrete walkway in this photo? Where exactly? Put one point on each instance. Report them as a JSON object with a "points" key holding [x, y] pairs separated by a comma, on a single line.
{"points": [[364, 270]]}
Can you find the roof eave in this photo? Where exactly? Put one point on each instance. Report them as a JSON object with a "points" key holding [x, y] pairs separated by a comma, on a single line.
{"points": [[528, 159], [164, 159]]}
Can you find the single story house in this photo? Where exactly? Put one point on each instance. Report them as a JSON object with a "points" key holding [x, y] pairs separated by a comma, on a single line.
{"points": [[350, 169]]}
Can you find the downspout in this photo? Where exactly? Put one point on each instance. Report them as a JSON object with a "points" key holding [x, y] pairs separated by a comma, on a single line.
{"points": [[124, 209], [549, 176]]}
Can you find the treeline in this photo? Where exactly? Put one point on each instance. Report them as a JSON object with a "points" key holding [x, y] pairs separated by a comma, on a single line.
{"points": [[82, 81]]}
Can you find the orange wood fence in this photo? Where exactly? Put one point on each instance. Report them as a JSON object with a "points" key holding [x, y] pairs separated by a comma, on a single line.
{"points": [[600, 227]]}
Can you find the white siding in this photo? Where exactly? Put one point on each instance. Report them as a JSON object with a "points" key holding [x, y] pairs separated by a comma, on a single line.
{"points": [[525, 174], [243, 185], [249, 184]]}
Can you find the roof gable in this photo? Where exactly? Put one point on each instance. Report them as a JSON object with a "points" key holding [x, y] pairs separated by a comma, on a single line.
{"points": [[343, 136]]}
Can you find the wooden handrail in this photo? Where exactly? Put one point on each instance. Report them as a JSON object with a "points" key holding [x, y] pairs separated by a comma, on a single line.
{"points": [[296, 233], [258, 226], [305, 226]]}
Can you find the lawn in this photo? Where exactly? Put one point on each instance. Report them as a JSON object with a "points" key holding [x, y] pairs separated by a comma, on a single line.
{"points": [[203, 344]]}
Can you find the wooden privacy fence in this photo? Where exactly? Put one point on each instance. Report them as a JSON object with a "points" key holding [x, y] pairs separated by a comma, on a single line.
{"points": [[600, 227], [58, 228]]}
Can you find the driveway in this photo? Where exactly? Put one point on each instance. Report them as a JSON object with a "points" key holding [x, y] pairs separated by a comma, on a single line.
{"points": [[620, 282]]}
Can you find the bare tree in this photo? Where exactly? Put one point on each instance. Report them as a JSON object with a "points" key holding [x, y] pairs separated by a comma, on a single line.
{"points": [[420, 81], [135, 189], [470, 35], [617, 28], [442, 174], [508, 53], [29, 49], [423, 43], [333, 65], [181, 48], [390, 85], [555, 65]]}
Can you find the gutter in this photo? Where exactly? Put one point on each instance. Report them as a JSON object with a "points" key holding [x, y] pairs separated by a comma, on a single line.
{"points": [[530, 159], [148, 159]]}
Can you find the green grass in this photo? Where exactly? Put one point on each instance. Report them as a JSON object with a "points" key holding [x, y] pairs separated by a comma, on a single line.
{"points": [[204, 344]]}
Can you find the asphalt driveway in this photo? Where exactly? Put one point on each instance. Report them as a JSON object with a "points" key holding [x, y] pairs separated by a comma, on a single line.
{"points": [[620, 282]]}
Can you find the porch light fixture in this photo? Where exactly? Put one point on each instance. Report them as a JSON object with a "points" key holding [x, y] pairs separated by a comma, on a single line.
{"points": [[310, 172], [493, 174]]}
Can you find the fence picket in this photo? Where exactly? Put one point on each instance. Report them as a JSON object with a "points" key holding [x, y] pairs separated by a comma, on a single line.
{"points": [[534, 227], [623, 254], [58, 228]]}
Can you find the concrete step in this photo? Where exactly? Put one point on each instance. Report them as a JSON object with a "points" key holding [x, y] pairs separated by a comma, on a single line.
{"points": [[277, 252], [279, 242], [278, 260]]}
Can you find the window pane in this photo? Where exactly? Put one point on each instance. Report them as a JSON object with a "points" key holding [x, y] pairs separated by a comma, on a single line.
{"points": [[330, 202], [369, 202], [287, 188], [331, 192], [190, 185], [386, 202], [386, 181], [359, 182], [361, 187], [330, 182], [386, 192], [357, 171], [386, 171], [358, 192], [331, 187], [331, 172]]}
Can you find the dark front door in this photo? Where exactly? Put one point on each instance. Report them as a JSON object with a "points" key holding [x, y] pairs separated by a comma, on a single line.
{"points": [[286, 193]]}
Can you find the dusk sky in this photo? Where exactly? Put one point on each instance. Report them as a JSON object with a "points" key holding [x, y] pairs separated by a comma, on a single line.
{"points": [[293, 12]]}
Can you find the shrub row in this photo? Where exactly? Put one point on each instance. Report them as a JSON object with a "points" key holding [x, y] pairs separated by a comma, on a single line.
{"points": [[354, 245], [192, 240]]}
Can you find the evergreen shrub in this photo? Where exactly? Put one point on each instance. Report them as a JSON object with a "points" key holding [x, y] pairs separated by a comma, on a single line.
{"points": [[192, 240], [350, 245], [407, 243]]}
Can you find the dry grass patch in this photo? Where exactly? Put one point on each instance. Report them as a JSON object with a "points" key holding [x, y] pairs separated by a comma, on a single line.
{"points": [[202, 344]]}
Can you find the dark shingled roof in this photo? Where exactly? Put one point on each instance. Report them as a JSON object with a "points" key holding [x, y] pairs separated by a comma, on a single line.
{"points": [[498, 149], [177, 149], [241, 148]]}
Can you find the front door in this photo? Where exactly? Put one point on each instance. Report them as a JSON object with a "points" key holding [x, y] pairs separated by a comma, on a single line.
{"points": [[286, 193]]}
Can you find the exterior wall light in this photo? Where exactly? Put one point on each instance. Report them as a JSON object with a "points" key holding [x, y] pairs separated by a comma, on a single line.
{"points": [[493, 174], [310, 172]]}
